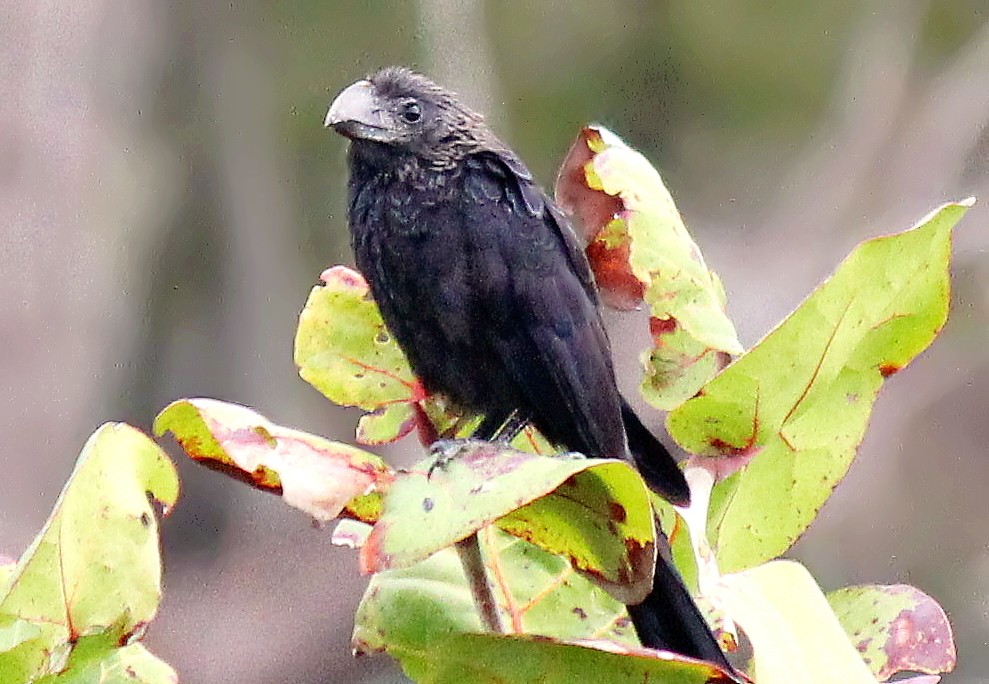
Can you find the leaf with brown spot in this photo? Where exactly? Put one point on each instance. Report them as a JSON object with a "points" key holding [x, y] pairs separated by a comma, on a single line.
{"points": [[896, 628], [315, 475], [567, 506], [785, 402], [424, 616], [640, 250]]}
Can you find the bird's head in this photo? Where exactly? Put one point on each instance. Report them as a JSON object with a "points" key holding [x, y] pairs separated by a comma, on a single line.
{"points": [[405, 110]]}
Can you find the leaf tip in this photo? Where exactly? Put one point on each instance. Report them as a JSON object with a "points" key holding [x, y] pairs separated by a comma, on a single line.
{"points": [[345, 276], [888, 369], [165, 419]]}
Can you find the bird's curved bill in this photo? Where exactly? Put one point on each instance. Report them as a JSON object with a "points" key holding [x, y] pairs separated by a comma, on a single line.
{"points": [[357, 112]]}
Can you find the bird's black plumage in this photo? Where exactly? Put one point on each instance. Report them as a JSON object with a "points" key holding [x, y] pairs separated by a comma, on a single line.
{"points": [[485, 287]]}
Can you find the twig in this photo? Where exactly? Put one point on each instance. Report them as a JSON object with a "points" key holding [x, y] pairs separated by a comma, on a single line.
{"points": [[469, 550], [502, 583]]}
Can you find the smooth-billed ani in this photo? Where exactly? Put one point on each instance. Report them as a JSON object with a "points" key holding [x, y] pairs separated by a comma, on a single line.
{"points": [[485, 287]]}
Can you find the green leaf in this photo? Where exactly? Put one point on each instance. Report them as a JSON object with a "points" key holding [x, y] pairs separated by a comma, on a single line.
{"points": [[896, 628], [600, 520], [794, 633], [94, 659], [495, 659], [640, 249], [420, 615], [94, 569], [15, 632], [343, 349], [593, 511], [799, 401], [677, 366], [406, 609], [315, 475], [386, 425]]}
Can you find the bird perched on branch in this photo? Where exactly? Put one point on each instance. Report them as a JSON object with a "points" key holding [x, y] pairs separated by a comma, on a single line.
{"points": [[485, 287]]}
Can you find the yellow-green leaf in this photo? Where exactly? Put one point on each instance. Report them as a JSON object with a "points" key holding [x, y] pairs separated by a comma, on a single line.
{"points": [[406, 609], [344, 350], [798, 403], [794, 633], [313, 474], [896, 628], [640, 249], [594, 512], [95, 568]]}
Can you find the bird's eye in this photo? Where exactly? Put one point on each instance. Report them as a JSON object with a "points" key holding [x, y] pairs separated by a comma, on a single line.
{"points": [[411, 112]]}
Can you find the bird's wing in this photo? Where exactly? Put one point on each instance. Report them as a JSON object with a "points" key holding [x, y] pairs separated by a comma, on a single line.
{"points": [[538, 294], [529, 198]]}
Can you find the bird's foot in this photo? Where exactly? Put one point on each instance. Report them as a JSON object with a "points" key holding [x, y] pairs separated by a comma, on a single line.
{"points": [[446, 451]]}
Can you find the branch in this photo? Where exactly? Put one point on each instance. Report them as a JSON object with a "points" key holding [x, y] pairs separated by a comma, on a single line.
{"points": [[469, 550]]}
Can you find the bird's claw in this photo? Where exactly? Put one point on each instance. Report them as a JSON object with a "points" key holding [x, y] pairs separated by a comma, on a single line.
{"points": [[446, 451]]}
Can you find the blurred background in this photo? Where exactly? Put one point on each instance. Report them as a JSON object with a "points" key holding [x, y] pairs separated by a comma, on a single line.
{"points": [[168, 196]]}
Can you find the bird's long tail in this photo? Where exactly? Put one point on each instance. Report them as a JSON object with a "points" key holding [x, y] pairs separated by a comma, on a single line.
{"points": [[654, 462], [669, 620]]}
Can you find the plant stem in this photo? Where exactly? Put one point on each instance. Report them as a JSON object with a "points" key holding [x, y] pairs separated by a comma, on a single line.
{"points": [[469, 550]]}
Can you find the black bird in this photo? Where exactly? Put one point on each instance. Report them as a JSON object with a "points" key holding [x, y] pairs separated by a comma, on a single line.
{"points": [[485, 287]]}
